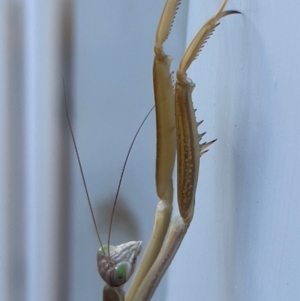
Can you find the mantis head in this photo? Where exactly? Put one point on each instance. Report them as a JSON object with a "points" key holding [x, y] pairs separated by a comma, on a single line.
{"points": [[117, 266]]}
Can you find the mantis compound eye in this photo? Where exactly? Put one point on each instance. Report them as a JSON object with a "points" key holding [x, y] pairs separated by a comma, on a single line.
{"points": [[121, 273], [116, 267]]}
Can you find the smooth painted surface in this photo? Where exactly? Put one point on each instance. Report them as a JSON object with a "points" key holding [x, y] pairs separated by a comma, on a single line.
{"points": [[33, 160], [244, 242]]}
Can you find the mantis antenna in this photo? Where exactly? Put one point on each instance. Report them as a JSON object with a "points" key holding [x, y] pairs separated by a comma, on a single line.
{"points": [[83, 177], [115, 263], [122, 173], [80, 167]]}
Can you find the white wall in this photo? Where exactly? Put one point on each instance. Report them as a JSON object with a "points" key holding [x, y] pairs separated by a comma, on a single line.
{"points": [[244, 242], [33, 149]]}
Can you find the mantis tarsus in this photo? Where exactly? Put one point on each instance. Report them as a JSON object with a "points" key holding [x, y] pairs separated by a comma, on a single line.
{"points": [[176, 133]]}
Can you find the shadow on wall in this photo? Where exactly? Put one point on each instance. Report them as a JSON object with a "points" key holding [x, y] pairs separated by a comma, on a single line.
{"points": [[125, 226]]}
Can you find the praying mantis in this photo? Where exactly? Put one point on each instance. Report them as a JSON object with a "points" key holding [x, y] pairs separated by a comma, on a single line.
{"points": [[176, 134]]}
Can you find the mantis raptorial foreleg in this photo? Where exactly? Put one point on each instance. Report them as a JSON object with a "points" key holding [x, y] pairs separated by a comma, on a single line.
{"points": [[176, 129], [188, 152]]}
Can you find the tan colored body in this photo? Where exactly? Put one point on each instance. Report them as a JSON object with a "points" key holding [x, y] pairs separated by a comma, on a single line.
{"points": [[176, 131]]}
